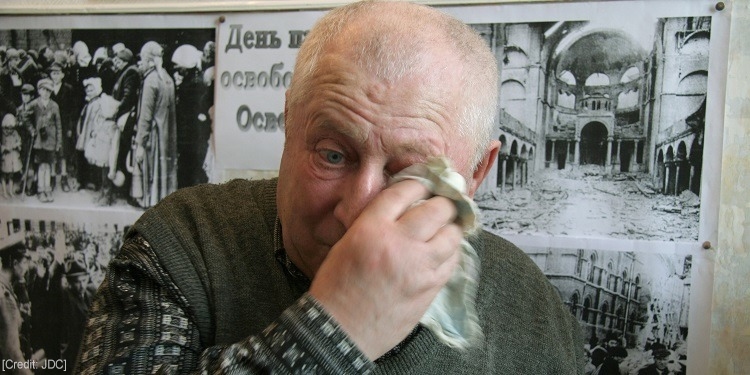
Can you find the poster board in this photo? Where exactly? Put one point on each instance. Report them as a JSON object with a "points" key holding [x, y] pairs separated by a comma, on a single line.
{"points": [[249, 112]]}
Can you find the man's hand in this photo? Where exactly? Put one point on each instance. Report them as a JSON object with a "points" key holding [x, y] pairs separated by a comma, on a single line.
{"points": [[140, 153], [380, 278]]}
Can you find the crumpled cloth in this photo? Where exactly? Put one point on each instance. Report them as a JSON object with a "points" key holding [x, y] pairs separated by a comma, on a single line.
{"points": [[452, 316]]}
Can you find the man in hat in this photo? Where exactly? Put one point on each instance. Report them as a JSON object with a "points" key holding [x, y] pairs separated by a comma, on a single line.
{"points": [[10, 78], [661, 362], [47, 133], [156, 132], [15, 265], [76, 301], [28, 67], [615, 356], [25, 119], [193, 124], [126, 91], [70, 107], [46, 295]]}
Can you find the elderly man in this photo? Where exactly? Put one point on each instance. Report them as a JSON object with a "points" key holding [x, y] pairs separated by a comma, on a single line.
{"points": [[156, 129], [331, 267]]}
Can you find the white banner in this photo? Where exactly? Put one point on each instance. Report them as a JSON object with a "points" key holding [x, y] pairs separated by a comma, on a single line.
{"points": [[255, 59]]}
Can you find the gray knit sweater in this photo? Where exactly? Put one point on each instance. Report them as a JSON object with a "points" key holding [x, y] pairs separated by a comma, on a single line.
{"points": [[202, 283]]}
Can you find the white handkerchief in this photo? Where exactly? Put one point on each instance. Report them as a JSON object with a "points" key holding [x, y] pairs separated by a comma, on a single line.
{"points": [[452, 315]]}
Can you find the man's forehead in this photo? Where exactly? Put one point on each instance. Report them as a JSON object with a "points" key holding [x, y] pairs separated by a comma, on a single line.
{"points": [[405, 140]]}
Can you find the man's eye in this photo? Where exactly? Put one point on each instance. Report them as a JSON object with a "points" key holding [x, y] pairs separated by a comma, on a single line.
{"points": [[333, 157]]}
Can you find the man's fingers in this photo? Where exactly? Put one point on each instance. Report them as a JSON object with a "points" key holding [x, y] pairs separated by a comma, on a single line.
{"points": [[423, 219], [393, 201], [445, 244]]}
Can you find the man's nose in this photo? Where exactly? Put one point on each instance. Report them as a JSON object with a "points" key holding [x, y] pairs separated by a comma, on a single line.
{"points": [[358, 190]]}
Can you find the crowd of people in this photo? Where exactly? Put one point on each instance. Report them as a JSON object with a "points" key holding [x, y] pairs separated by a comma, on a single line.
{"points": [[47, 282], [612, 357], [119, 123]]}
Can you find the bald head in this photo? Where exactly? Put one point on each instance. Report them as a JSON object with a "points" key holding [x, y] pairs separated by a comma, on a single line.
{"points": [[390, 41]]}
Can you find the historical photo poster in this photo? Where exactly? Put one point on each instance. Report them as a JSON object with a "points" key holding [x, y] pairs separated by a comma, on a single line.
{"points": [[105, 114], [603, 127], [53, 262], [634, 307], [610, 119]]}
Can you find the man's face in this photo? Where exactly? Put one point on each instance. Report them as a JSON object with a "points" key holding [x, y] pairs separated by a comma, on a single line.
{"points": [[349, 137], [90, 90], [117, 63], [661, 363], [56, 76], [45, 93], [79, 283], [21, 267]]}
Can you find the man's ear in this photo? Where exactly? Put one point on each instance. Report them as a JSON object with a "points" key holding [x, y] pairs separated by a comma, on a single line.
{"points": [[483, 168]]}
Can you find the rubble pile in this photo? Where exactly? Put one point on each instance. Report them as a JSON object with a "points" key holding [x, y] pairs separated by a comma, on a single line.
{"points": [[587, 202]]}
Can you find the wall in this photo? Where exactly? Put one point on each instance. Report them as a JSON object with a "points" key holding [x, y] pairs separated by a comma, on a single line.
{"points": [[730, 326], [730, 321]]}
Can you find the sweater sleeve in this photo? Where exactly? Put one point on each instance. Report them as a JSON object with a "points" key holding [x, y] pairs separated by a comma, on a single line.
{"points": [[140, 323]]}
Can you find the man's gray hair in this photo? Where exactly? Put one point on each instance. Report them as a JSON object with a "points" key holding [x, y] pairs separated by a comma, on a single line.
{"points": [[393, 47]]}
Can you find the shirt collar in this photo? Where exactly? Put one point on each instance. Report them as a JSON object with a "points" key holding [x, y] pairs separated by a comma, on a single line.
{"points": [[282, 257]]}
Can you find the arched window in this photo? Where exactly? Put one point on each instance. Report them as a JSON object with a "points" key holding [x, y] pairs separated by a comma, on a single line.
{"points": [[574, 304], [597, 79], [592, 265], [580, 263], [512, 98], [586, 308], [603, 317], [630, 75]]}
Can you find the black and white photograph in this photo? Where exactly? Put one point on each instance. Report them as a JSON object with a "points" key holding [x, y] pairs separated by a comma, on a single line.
{"points": [[52, 268], [105, 117], [602, 127], [608, 175], [633, 306]]}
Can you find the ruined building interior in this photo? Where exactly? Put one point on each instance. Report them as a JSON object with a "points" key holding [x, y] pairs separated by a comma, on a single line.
{"points": [[576, 93]]}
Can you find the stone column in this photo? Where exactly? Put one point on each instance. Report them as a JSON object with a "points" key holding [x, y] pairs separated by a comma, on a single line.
{"points": [[504, 171], [692, 176], [617, 156], [577, 151], [553, 157]]}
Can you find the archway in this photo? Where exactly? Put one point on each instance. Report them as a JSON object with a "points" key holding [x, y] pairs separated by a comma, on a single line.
{"points": [[594, 144], [661, 169], [627, 149], [683, 178], [672, 172], [696, 162], [502, 161]]}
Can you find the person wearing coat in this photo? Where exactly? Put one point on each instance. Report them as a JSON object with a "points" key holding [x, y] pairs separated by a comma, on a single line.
{"points": [[156, 130], [47, 135], [98, 136], [126, 91]]}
